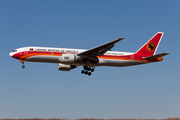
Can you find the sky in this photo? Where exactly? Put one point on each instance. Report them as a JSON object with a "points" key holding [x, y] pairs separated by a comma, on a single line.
{"points": [[42, 91]]}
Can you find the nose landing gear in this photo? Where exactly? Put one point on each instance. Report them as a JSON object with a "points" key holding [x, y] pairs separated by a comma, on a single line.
{"points": [[86, 69], [23, 66]]}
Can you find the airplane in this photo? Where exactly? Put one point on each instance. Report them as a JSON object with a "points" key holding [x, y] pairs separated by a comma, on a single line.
{"points": [[102, 55]]}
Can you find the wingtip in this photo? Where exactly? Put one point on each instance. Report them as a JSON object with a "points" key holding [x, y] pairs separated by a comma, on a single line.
{"points": [[120, 39], [167, 53]]}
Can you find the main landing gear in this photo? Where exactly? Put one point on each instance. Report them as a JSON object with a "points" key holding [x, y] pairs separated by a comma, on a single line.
{"points": [[86, 69]]}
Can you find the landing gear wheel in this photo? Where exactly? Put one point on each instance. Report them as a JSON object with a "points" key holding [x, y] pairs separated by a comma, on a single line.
{"points": [[85, 67], [92, 70], [82, 72], [23, 66], [86, 72], [88, 69], [89, 73]]}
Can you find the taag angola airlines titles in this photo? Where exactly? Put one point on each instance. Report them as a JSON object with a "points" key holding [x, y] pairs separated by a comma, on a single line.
{"points": [[102, 55]]}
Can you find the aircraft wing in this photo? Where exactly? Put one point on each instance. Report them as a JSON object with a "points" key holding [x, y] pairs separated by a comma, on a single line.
{"points": [[100, 50]]}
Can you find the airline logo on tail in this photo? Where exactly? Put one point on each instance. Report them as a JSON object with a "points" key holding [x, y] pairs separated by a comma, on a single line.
{"points": [[151, 47]]}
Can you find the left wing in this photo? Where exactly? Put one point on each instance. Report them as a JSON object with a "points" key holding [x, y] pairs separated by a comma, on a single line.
{"points": [[100, 50]]}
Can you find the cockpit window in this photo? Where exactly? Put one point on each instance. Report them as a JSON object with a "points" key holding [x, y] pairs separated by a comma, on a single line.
{"points": [[15, 51]]}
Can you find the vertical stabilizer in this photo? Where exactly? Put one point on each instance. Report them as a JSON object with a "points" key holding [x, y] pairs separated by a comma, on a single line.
{"points": [[150, 47]]}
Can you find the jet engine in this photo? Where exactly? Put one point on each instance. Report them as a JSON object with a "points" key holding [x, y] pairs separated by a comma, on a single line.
{"points": [[68, 58], [63, 67]]}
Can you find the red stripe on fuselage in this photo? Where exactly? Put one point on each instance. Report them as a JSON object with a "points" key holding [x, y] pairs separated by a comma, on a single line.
{"points": [[27, 54]]}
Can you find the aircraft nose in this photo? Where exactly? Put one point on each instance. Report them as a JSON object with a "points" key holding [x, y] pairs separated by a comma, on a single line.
{"points": [[11, 54]]}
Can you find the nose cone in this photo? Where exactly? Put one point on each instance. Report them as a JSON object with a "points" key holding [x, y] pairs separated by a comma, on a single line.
{"points": [[11, 54]]}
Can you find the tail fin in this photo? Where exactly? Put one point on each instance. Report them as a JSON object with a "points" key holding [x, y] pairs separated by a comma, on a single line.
{"points": [[150, 47]]}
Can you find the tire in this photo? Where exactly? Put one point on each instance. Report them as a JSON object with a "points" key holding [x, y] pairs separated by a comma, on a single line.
{"points": [[89, 73], [85, 67]]}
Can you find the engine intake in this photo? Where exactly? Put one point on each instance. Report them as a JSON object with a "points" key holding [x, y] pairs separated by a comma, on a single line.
{"points": [[63, 67]]}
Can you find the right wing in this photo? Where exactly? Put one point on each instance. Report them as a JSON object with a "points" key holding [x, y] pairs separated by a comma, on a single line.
{"points": [[100, 50]]}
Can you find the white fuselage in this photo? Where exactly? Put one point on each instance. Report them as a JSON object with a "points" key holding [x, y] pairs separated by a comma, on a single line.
{"points": [[53, 55]]}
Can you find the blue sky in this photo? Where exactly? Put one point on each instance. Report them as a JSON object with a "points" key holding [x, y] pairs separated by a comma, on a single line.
{"points": [[41, 91]]}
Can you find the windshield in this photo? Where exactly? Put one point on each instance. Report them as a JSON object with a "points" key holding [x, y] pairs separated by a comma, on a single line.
{"points": [[14, 51]]}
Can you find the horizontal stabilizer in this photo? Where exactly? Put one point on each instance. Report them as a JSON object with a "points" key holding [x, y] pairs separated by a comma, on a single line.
{"points": [[155, 56]]}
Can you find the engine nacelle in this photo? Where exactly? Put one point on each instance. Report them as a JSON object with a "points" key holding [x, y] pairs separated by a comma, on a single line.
{"points": [[68, 58], [64, 67]]}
